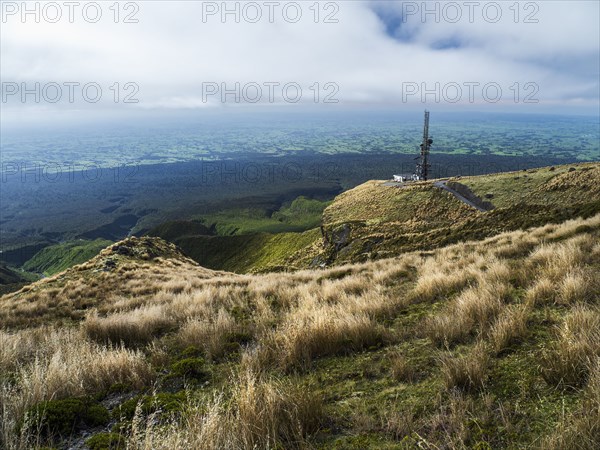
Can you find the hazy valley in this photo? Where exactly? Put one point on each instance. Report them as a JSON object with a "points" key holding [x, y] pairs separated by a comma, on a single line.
{"points": [[401, 318]]}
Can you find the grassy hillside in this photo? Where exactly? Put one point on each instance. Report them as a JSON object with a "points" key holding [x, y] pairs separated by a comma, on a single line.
{"points": [[56, 258], [299, 215], [246, 253], [248, 240], [484, 344], [376, 220], [170, 231]]}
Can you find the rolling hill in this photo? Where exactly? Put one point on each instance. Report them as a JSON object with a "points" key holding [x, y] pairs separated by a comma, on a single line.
{"points": [[378, 220], [448, 328]]}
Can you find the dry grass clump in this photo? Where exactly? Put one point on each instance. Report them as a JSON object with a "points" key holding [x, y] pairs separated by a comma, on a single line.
{"points": [[497, 272], [474, 308], [445, 274], [259, 414], [449, 426], [555, 259], [213, 336], [511, 326], [576, 286], [401, 369], [483, 302], [516, 244], [395, 271], [308, 334], [177, 286], [375, 303], [435, 285], [332, 290], [19, 347], [466, 373], [64, 364], [446, 329], [130, 328], [397, 423], [576, 349], [572, 227], [580, 430], [542, 292]]}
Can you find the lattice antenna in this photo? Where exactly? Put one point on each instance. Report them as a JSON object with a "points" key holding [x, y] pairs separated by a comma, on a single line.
{"points": [[422, 171]]}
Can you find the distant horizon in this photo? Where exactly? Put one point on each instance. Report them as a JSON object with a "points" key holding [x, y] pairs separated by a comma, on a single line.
{"points": [[67, 120]]}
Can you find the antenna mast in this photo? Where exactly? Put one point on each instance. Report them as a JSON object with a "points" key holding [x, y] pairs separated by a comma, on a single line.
{"points": [[423, 166]]}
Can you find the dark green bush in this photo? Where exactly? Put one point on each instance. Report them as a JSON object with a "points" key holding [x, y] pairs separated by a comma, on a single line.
{"points": [[63, 416], [190, 368], [165, 402]]}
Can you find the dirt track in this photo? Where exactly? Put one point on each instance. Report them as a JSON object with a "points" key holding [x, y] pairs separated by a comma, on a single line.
{"points": [[442, 185]]}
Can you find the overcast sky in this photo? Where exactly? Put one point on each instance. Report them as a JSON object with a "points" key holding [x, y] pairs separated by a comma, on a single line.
{"points": [[543, 56]]}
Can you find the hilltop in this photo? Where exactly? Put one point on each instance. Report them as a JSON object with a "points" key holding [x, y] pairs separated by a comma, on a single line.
{"points": [[490, 343], [129, 268], [374, 220], [379, 219]]}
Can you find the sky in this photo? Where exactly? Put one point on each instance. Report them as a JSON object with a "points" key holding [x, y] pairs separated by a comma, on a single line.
{"points": [[97, 60]]}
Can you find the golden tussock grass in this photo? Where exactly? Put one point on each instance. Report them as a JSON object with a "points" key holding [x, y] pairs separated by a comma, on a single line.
{"points": [[542, 292], [568, 361], [510, 327], [577, 285], [443, 276], [400, 368], [473, 310], [63, 363], [212, 336], [553, 260], [257, 414], [484, 294], [133, 327], [309, 334], [466, 373], [449, 424], [580, 429]]}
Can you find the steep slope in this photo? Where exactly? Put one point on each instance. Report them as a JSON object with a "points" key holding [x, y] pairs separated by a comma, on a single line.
{"points": [[9, 276], [248, 253], [56, 258], [483, 344], [12, 279], [248, 240]]}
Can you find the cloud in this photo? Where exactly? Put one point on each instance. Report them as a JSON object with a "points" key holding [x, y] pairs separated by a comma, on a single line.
{"points": [[373, 53]]}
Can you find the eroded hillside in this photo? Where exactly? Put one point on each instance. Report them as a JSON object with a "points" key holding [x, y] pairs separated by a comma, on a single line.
{"points": [[485, 344]]}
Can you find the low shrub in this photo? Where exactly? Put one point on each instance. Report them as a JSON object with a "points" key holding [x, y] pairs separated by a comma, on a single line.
{"points": [[61, 417], [106, 441]]}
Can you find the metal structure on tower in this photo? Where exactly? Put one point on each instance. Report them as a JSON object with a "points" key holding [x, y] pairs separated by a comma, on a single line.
{"points": [[422, 170]]}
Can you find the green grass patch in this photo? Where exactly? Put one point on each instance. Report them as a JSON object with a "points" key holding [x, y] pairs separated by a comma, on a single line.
{"points": [[246, 253], [106, 441], [59, 257], [300, 215]]}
